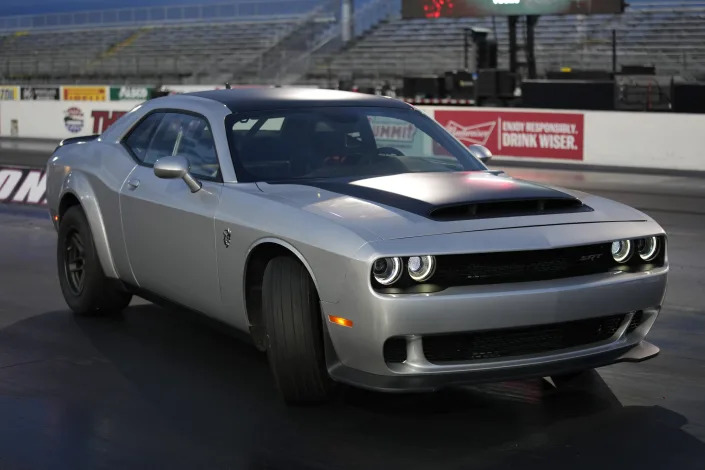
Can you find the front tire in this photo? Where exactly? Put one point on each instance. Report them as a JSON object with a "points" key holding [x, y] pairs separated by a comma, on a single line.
{"points": [[292, 317], [85, 287]]}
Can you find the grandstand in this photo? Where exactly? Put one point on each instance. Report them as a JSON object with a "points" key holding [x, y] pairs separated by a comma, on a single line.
{"points": [[299, 41], [207, 47], [670, 36]]}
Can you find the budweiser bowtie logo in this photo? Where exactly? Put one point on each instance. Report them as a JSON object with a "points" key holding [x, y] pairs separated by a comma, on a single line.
{"points": [[476, 134]]}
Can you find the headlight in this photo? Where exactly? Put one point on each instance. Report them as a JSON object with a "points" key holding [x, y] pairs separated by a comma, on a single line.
{"points": [[621, 250], [387, 270], [421, 268], [648, 248]]}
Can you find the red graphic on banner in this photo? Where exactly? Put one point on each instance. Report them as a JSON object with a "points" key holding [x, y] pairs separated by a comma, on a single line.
{"points": [[104, 119], [22, 185], [518, 134], [478, 134]]}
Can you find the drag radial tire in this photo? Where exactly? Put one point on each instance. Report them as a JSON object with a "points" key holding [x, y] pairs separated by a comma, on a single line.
{"points": [[85, 287], [292, 317]]}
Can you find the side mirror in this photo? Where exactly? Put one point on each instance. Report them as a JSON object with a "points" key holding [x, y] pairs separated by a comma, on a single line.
{"points": [[481, 153], [176, 167]]}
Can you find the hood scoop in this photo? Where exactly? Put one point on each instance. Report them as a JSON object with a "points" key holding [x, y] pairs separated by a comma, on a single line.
{"points": [[508, 208]]}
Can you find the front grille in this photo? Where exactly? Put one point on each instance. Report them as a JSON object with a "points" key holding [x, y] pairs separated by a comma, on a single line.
{"points": [[509, 342], [518, 266]]}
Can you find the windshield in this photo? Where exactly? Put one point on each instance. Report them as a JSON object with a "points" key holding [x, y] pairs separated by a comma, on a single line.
{"points": [[341, 142]]}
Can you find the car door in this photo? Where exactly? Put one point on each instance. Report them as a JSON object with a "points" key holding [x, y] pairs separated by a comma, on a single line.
{"points": [[168, 230]]}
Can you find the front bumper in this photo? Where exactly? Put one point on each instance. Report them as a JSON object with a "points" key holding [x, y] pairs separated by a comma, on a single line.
{"points": [[431, 382], [355, 355]]}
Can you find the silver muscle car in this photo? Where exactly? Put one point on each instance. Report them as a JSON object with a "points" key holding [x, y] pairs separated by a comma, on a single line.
{"points": [[354, 239]]}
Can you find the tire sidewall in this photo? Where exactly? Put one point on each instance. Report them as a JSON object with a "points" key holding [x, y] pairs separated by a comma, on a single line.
{"points": [[75, 221], [308, 317]]}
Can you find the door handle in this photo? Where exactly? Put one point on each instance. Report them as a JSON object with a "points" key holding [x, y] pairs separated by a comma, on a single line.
{"points": [[133, 184]]}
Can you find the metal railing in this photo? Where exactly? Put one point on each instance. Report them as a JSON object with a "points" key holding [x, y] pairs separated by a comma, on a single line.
{"points": [[234, 10]]}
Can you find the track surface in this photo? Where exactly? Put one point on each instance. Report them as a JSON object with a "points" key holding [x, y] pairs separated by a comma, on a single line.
{"points": [[160, 389]]}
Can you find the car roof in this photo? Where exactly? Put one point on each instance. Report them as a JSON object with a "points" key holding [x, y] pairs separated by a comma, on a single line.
{"points": [[260, 99]]}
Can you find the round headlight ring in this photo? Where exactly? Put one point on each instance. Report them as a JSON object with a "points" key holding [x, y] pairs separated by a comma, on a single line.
{"points": [[648, 248], [621, 250], [421, 268], [387, 271]]}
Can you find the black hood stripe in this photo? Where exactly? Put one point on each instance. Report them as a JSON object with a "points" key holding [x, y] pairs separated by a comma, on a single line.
{"points": [[378, 196], [452, 193]]}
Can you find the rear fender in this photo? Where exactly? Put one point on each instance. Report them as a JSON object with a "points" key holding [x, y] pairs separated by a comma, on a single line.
{"points": [[77, 183]]}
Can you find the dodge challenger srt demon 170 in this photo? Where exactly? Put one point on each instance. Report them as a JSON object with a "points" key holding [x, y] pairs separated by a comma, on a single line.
{"points": [[354, 239]]}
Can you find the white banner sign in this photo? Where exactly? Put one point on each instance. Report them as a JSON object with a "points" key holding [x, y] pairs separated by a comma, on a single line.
{"points": [[59, 119]]}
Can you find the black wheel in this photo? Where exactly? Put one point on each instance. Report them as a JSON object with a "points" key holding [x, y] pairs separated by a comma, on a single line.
{"points": [[295, 338], [85, 288]]}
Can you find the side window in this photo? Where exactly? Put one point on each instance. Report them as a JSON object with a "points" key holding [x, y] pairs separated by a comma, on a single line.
{"points": [[139, 138], [196, 143], [189, 136], [164, 140]]}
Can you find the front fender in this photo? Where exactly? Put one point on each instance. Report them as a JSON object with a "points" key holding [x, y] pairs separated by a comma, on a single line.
{"points": [[77, 183], [283, 244]]}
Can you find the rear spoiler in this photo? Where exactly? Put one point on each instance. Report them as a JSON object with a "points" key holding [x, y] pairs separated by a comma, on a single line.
{"points": [[78, 140]]}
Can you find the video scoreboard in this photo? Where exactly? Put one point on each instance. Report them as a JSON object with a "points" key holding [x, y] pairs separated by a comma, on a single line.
{"points": [[463, 8]]}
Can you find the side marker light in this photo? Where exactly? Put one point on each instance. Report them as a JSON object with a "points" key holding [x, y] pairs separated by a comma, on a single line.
{"points": [[340, 321]]}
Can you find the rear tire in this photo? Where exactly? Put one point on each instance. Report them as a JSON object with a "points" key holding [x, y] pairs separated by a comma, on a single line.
{"points": [[292, 317], [85, 287]]}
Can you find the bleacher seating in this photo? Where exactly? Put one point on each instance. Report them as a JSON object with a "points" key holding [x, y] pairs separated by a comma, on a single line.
{"points": [[144, 54], [673, 39], [670, 36]]}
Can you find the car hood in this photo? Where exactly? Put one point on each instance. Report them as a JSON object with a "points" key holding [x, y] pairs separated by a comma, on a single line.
{"points": [[421, 204]]}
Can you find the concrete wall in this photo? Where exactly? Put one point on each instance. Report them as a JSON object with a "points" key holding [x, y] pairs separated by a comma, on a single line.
{"points": [[59, 119], [645, 140], [649, 140]]}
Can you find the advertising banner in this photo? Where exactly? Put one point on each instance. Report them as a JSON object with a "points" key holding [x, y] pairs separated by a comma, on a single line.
{"points": [[99, 120], [45, 119], [9, 93], [40, 93], [402, 135], [518, 133], [22, 185], [130, 93], [84, 93]]}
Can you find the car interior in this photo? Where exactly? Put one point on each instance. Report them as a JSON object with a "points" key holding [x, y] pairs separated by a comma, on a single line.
{"points": [[320, 144]]}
